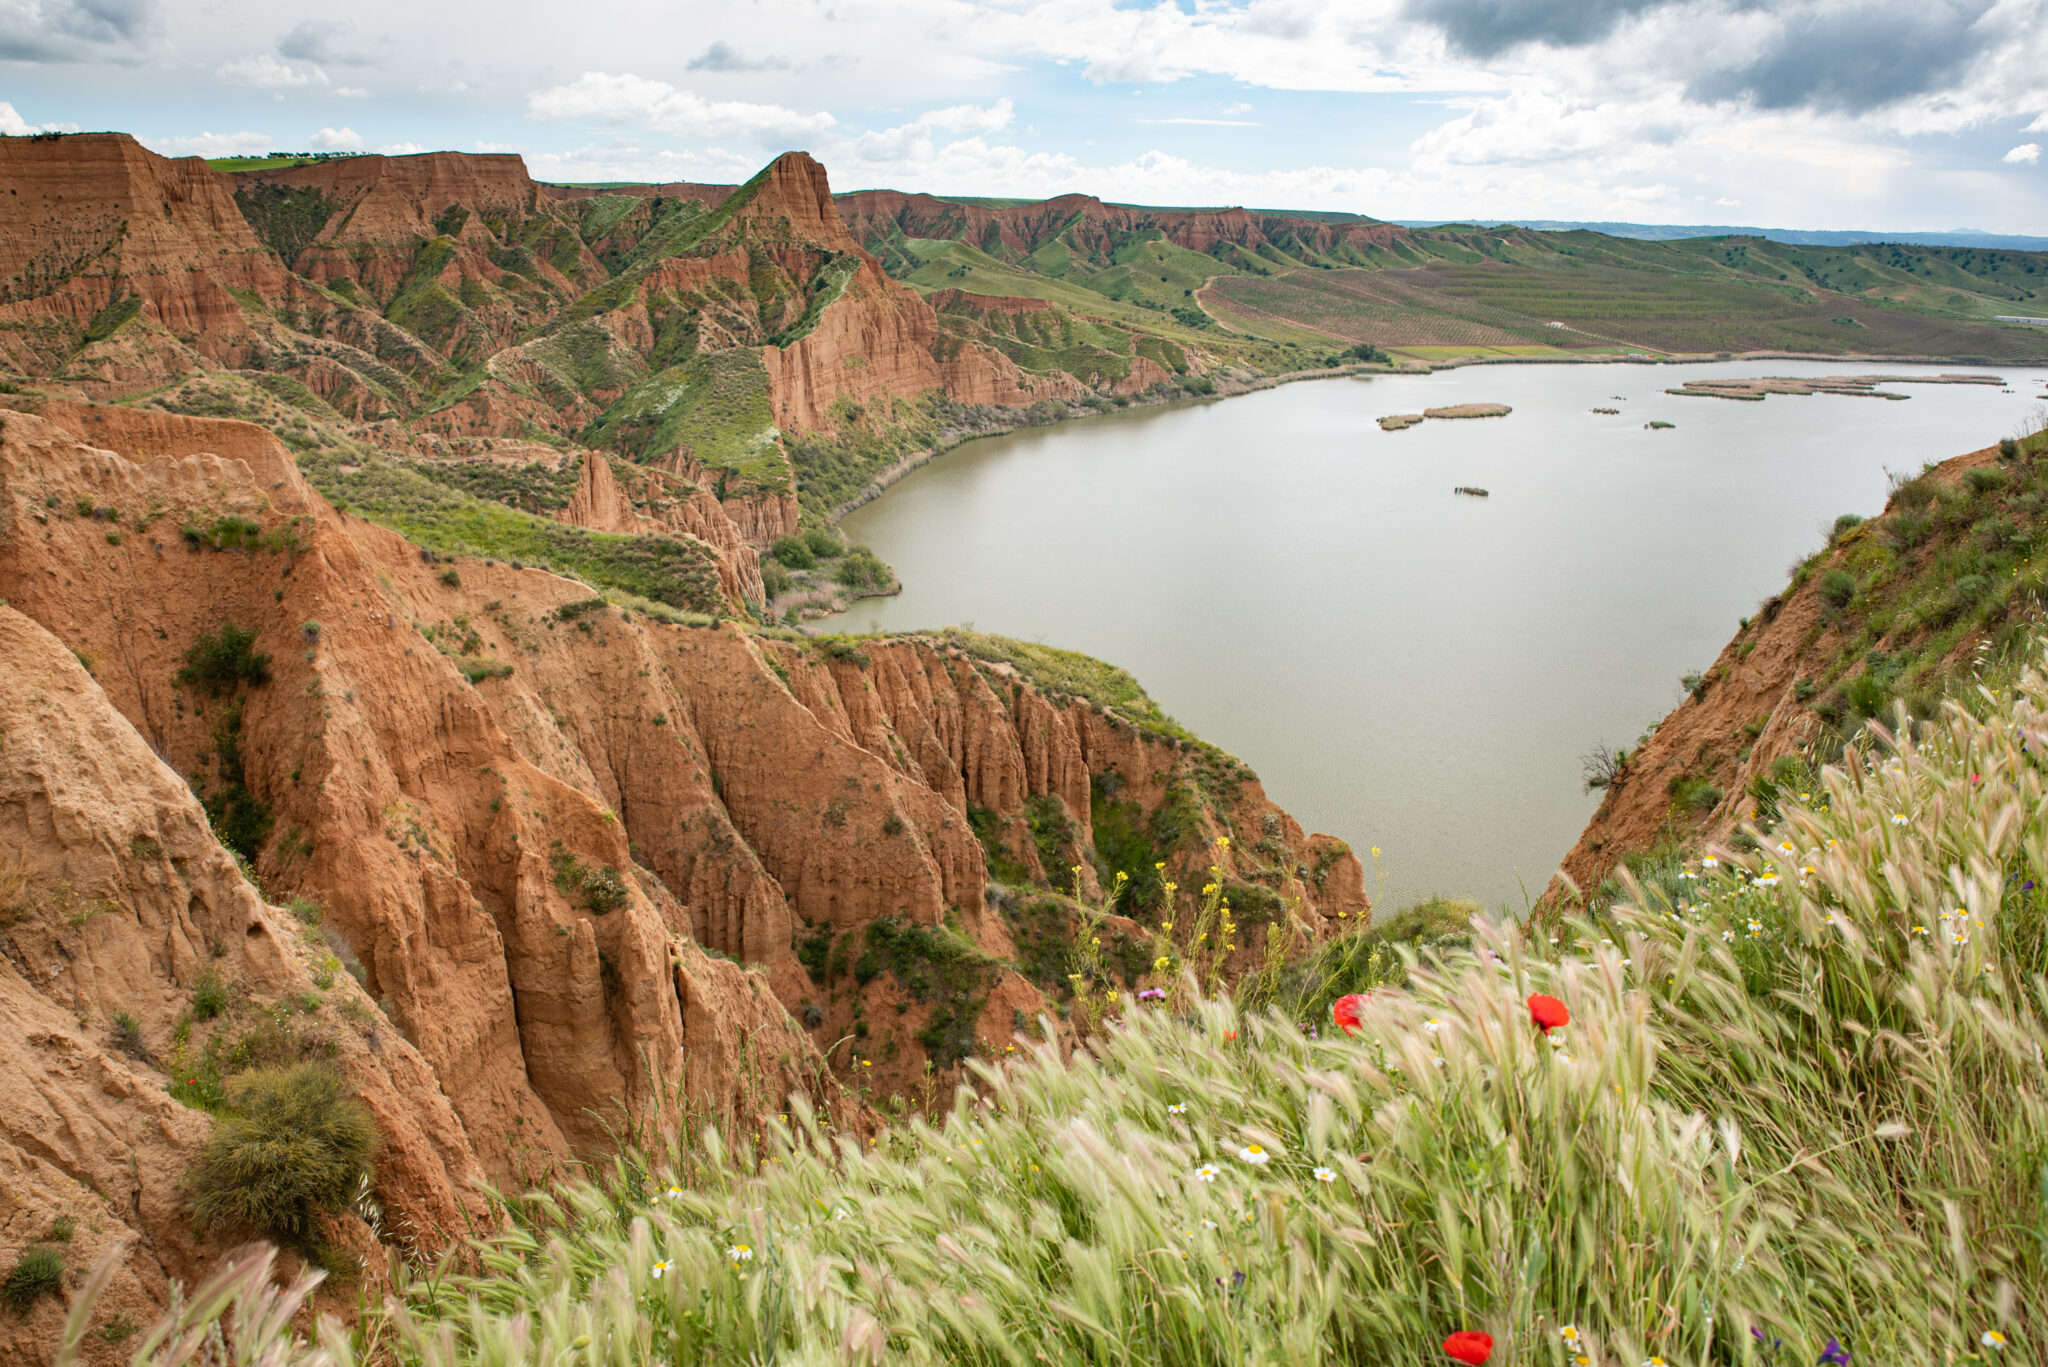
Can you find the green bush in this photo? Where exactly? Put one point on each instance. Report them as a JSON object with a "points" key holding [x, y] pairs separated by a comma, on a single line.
{"points": [[294, 1145], [863, 571], [823, 543], [209, 996], [794, 552], [216, 664], [38, 1273], [1847, 522], [775, 580], [1837, 587]]}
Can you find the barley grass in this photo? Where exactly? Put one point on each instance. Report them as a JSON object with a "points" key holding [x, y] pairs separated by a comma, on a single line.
{"points": [[1802, 1100]]}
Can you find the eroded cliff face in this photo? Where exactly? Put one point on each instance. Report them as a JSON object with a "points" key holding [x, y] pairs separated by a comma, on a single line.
{"points": [[735, 792], [115, 902], [95, 227]]}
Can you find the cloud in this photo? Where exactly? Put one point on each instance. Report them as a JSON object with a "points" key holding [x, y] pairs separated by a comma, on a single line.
{"points": [[15, 126], [67, 30], [481, 146], [315, 40], [351, 92], [723, 56], [1208, 123], [262, 72], [336, 140], [1487, 28], [402, 149], [1857, 57], [2039, 125], [913, 141], [243, 144], [2028, 153], [657, 105], [1238, 108]]}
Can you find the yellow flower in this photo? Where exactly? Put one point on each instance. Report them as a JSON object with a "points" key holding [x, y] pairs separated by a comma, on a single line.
{"points": [[1375, 851], [1222, 842]]}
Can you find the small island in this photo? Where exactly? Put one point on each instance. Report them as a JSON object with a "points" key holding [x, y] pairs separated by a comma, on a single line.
{"points": [[1471, 491], [1469, 410], [1609, 411], [1395, 422], [1757, 389], [1657, 425]]}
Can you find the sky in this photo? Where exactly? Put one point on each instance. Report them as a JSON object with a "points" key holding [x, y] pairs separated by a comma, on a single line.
{"points": [[1881, 114]]}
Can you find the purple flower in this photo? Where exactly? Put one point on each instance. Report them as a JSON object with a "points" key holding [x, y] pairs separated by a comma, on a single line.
{"points": [[1152, 994], [1834, 1355], [1758, 1335]]}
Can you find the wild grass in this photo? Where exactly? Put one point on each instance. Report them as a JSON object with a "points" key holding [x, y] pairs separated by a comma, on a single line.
{"points": [[1803, 1101]]}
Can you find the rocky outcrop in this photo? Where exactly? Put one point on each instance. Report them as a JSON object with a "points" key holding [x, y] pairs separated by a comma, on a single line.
{"points": [[97, 232], [653, 501]]}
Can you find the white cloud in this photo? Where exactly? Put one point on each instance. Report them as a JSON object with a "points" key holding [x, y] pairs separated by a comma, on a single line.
{"points": [[482, 146], [1238, 108], [243, 144], [967, 118], [402, 149], [262, 72], [15, 126], [336, 140], [1208, 123], [657, 105], [2027, 152], [2039, 125], [350, 92]]}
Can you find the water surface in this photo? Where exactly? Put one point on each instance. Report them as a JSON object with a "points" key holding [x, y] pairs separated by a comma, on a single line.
{"points": [[1403, 667]]}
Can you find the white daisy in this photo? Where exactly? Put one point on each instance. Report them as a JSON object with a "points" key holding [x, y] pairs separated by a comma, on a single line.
{"points": [[1254, 1155]]}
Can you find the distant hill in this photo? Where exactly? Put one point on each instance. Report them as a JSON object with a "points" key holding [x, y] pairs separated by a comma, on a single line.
{"points": [[1803, 237], [1330, 281]]}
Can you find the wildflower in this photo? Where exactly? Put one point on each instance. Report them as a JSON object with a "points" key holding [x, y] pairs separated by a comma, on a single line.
{"points": [[740, 1253], [1919, 930], [1210, 1224], [1710, 863], [1208, 1172], [1570, 1333], [1728, 935], [660, 1268], [1222, 842], [1548, 1013], [1375, 851], [1469, 1346], [1254, 1155], [1653, 1361], [1834, 1355], [1898, 818], [1230, 1035], [1992, 1339], [1325, 1175], [675, 1193], [1177, 1108]]}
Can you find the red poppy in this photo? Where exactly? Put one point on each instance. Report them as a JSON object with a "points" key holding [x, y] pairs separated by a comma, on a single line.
{"points": [[1230, 1034], [1348, 1012], [1548, 1012], [1469, 1346]]}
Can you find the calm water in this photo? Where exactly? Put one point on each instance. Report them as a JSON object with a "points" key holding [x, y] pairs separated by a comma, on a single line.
{"points": [[1405, 668]]}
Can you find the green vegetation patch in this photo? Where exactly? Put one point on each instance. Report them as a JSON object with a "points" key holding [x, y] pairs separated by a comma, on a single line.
{"points": [[936, 966], [292, 1145], [286, 218], [680, 572], [713, 407]]}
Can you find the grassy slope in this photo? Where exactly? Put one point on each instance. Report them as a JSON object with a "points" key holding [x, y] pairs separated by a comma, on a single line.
{"points": [[1784, 1114]]}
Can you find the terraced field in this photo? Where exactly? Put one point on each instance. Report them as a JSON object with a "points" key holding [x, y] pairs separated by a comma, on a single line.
{"points": [[1387, 308]]}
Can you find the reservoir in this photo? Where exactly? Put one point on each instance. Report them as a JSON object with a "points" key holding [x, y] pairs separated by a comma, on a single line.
{"points": [[1405, 667]]}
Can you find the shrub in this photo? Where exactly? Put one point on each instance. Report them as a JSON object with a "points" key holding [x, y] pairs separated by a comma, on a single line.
{"points": [[794, 552], [2008, 448], [451, 578], [1985, 479], [1837, 587], [216, 664], [209, 996], [863, 571], [38, 1273], [775, 580], [295, 1144], [127, 1034], [1847, 522], [823, 543]]}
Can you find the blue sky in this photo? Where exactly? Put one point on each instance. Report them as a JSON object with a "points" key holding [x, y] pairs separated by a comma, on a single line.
{"points": [[1900, 114]]}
